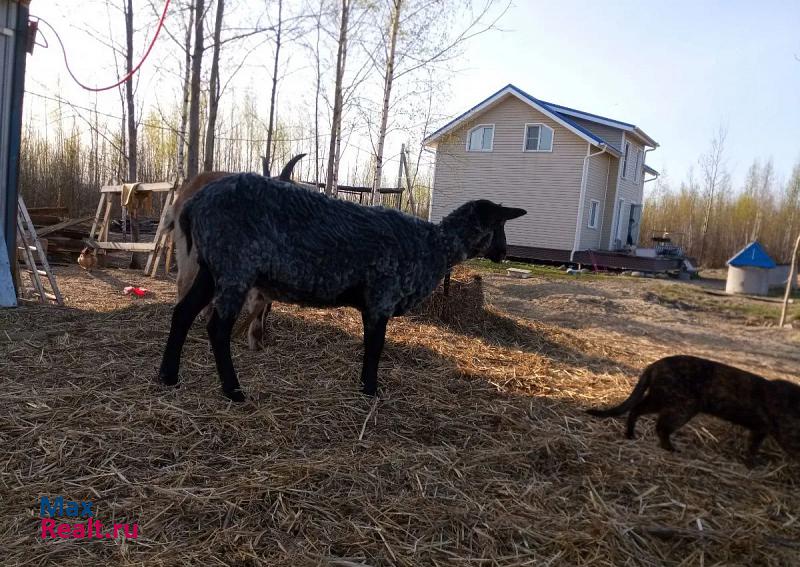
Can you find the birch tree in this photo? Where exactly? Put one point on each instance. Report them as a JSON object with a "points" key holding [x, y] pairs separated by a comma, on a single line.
{"points": [[266, 163], [336, 119], [213, 90], [421, 34], [711, 164], [193, 144]]}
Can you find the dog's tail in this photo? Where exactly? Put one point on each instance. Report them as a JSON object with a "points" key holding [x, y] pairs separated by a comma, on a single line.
{"points": [[636, 396]]}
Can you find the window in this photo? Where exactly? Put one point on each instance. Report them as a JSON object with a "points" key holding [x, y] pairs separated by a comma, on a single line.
{"points": [[481, 138], [538, 138], [594, 210], [625, 153]]}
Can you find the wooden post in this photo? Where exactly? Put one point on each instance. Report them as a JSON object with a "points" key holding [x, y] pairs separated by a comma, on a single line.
{"points": [[411, 199], [790, 281], [400, 172]]}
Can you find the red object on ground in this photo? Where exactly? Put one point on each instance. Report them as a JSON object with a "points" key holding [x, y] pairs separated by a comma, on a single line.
{"points": [[137, 291]]}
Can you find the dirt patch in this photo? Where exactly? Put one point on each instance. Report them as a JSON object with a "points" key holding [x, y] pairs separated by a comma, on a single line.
{"points": [[660, 316]]}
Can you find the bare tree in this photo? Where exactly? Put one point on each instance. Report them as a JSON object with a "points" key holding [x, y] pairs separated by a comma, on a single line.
{"points": [[133, 130], [712, 167], [193, 149], [213, 90], [336, 120], [187, 63], [266, 163], [429, 38], [394, 27]]}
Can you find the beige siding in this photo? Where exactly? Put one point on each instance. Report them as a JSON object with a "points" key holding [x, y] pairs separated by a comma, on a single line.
{"points": [[598, 173], [611, 135], [608, 205], [547, 184]]}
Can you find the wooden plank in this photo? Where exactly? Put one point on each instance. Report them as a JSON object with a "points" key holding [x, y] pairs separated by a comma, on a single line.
{"points": [[168, 261], [106, 221], [128, 246], [159, 237], [161, 187], [57, 211], [411, 199], [66, 224], [45, 220], [97, 216]]}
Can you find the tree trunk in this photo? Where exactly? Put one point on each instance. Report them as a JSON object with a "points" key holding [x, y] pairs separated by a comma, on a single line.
{"points": [[316, 104], [136, 259], [266, 163], [394, 26], [341, 58], [213, 90], [193, 151], [187, 46]]}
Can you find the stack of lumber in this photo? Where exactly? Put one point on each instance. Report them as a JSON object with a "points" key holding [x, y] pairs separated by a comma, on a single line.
{"points": [[60, 235]]}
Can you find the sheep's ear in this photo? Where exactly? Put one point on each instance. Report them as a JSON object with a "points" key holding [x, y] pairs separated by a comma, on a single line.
{"points": [[286, 174], [489, 213], [508, 213], [492, 213]]}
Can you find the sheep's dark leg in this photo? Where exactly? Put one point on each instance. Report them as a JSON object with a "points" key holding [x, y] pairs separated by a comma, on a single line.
{"points": [[757, 437], [446, 285], [226, 309], [183, 315], [374, 336]]}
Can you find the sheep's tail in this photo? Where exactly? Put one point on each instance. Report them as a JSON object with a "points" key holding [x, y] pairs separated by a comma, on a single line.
{"points": [[636, 396], [185, 221]]}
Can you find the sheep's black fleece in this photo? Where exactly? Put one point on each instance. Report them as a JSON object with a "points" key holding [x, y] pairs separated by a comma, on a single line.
{"points": [[303, 247]]}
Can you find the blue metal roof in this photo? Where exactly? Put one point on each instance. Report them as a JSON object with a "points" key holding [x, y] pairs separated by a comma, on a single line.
{"points": [[752, 256], [567, 108]]}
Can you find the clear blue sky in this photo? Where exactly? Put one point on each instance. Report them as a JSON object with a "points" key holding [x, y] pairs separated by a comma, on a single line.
{"points": [[678, 69]]}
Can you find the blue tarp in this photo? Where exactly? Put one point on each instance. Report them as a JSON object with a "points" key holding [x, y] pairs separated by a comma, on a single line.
{"points": [[752, 256]]}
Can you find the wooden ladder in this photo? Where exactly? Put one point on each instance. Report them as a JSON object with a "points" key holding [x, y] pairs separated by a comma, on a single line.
{"points": [[31, 247]]}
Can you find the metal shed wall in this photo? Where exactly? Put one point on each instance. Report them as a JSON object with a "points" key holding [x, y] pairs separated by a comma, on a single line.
{"points": [[13, 34]]}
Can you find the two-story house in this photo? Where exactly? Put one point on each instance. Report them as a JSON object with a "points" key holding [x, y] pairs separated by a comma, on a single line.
{"points": [[580, 176]]}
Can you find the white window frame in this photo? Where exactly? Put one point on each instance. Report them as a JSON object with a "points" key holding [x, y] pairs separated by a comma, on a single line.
{"points": [[625, 155], [596, 204], [469, 136], [525, 137]]}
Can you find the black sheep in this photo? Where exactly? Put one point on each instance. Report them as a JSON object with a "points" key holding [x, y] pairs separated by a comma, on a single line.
{"points": [[305, 248]]}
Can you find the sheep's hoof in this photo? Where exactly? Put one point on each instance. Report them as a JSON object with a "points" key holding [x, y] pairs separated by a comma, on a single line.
{"points": [[369, 390], [168, 379], [235, 395]]}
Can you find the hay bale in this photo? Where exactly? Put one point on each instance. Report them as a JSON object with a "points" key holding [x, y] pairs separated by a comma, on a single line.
{"points": [[462, 304]]}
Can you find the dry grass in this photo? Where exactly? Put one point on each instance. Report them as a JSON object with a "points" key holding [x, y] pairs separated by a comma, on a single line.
{"points": [[477, 452]]}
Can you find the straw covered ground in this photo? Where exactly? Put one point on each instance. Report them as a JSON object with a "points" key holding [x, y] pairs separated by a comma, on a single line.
{"points": [[477, 452]]}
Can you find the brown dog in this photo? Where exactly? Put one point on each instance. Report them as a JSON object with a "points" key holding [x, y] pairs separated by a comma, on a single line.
{"points": [[680, 387]]}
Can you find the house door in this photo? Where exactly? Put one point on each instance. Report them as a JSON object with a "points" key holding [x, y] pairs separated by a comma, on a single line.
{"points": [[618, 235], [634, 222]]}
